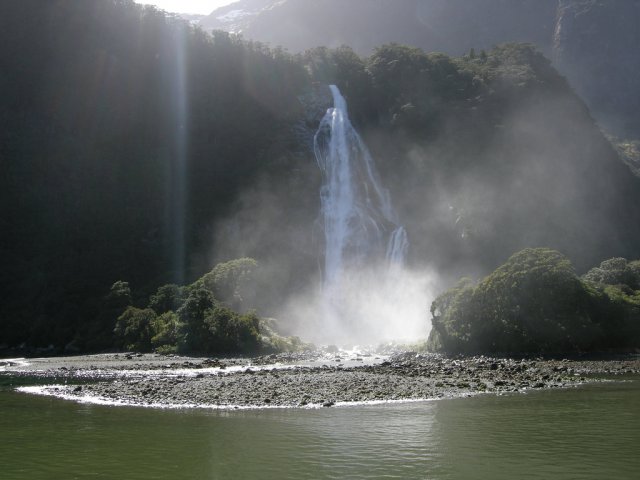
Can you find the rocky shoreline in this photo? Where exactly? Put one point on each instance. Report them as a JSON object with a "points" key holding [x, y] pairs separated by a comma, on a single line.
{"points": [[299, 380]]}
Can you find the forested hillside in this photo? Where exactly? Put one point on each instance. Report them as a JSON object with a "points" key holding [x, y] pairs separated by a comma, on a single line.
{"points": [[125, 134], [592, 42], [138, 148], [489, 153]]}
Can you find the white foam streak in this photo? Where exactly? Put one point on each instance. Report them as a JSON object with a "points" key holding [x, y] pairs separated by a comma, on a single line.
{"points": [[11, 363], [64, 392]]}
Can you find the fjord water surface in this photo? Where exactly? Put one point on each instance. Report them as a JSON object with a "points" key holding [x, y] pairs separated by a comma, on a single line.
{"points": [[590, 432]]}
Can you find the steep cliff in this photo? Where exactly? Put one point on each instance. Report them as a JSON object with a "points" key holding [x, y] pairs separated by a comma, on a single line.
{"points": [[592, 42], [595, 46], [451, 26]]}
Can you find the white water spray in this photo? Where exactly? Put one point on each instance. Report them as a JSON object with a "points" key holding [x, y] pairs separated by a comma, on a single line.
{"points": [[360, 224], [368, 295]]}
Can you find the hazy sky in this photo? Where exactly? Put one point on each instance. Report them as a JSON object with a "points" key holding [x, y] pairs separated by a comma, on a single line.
{"points": [[188, 6]]}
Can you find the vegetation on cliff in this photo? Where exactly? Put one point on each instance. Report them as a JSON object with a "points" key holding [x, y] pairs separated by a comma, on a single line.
{"points": [[197, 317], [126, 134], [139, 147], [535, 303]]}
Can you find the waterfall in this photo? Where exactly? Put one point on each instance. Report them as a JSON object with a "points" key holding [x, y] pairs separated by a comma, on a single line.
{"points": [[360, 225], [368, 294]]}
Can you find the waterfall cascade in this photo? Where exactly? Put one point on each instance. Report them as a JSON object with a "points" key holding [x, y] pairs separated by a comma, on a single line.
{"points": [[368, 295], [360, 224]]}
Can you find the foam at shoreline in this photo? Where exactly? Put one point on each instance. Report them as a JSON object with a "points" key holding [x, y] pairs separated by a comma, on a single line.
{"points": [[63, 392]]}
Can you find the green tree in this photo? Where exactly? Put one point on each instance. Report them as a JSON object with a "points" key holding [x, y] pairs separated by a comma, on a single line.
{"points": [[452, 317], [167, 297], [618, 281], [415, 89], [119, 295], [615, 271], [167, 333], [532, 303], [134, 329], [231, 332], [231, 282], [192, 314], [98, 334]]}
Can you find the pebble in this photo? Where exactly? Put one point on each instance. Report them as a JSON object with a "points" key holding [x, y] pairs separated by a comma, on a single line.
{"points": [[402, 376]]}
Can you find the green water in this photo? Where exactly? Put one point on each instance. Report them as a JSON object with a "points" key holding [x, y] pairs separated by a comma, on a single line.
{"points": [[592, 432]]}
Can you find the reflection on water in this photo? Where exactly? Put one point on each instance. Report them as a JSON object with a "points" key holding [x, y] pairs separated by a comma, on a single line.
{"points": [[356, 442], [586, 433]]}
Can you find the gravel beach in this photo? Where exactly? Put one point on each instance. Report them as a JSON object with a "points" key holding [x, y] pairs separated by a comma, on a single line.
{"points": [[298, 380]]}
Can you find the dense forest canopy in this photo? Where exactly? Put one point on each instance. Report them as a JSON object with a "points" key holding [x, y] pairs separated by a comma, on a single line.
{"points": [[535, 303], [590, 41], [125, 133], [139, 149]]}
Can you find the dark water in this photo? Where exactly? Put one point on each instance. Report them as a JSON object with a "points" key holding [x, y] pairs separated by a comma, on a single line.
{"points": [[592, 432]]}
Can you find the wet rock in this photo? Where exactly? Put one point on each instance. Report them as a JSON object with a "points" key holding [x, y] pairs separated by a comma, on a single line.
{"points": [[405, 377]]}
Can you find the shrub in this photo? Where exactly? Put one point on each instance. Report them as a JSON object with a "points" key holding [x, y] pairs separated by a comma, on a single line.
{"points": [[198, 318], [134, 329], [167, 333], [229, 332], [230, 282], [167, 297], [616, 271], [532, 303], [192, 314]]}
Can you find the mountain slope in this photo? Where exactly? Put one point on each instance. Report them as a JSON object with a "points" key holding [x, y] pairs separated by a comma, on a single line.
{"points": [[138, 148], [592, 42], [595, 46], [452, 26]]}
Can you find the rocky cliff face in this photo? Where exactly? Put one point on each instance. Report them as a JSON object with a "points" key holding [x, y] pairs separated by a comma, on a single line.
{"points": [[595, 45]]}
